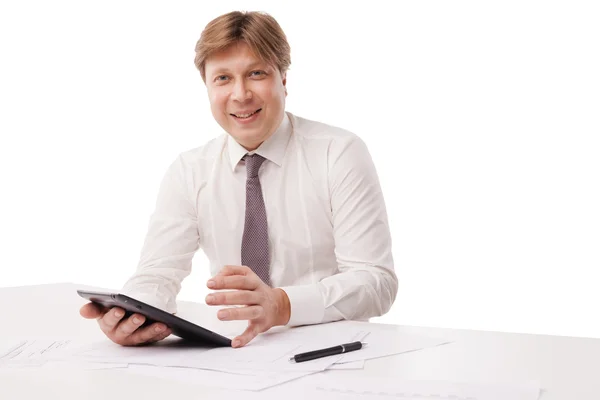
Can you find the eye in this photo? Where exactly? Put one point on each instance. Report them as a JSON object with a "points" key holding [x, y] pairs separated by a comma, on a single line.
{"points": [[257, 73], [221, 78]]}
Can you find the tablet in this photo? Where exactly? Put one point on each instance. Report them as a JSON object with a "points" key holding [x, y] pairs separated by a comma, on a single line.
{"points": [[179, 327]]}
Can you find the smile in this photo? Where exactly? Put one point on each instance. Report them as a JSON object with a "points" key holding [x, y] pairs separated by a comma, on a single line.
{"points": [[244, 116]]}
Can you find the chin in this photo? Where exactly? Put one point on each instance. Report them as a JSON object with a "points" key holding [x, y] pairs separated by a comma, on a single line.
{"points": [[246, 137]]}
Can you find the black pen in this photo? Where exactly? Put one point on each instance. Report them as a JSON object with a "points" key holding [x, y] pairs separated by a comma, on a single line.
{"points": [[330, 351]]}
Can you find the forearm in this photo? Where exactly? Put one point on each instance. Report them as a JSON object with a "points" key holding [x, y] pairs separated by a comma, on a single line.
{"points": [[166, 260], [169, 246], [353, 294]]}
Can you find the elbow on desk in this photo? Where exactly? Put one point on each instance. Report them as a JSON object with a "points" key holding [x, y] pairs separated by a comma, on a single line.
{"points": [[387, 291]]}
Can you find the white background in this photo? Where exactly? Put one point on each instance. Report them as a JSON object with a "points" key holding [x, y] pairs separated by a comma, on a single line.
{"points": [[483, 120]]}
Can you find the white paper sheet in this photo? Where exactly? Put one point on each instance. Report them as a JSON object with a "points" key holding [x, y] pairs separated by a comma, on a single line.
{"points": [[263, 379], [87, 366], [381, 342], [385, 342], [263, 356], [266, 353], [107, 351], [33, 352], [360, 364], [44, 353], [381, 389]]}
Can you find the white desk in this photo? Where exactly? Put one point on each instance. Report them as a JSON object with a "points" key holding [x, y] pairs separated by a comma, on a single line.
{"points": [[568, 368]]}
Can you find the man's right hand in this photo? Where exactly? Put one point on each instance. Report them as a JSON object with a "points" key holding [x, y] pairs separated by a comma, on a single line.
{"points": [[127, 332]]}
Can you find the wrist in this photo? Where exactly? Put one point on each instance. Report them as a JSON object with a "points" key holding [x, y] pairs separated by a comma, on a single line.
{"points": [[283, 307]]}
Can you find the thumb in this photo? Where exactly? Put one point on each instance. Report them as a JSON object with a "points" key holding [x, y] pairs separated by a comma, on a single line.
{"points": [[91, 311]]}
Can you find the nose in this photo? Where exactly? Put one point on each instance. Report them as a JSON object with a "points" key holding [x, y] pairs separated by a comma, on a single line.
{"points": [[241, 92]]}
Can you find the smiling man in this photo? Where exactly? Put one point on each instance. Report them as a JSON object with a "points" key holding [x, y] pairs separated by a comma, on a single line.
{"points": [[288, 211], [247, 95]]}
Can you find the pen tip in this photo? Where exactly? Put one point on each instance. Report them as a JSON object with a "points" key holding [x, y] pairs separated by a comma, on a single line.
{"points": [[364, 344]]}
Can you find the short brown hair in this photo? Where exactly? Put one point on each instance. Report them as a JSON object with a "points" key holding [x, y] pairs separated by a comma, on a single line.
{"points": [[258, 30]]}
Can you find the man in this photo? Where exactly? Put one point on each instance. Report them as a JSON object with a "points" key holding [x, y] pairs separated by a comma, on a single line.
{"points": [[289, 211]]}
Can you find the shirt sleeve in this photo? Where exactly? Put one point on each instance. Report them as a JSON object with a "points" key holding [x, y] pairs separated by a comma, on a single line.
{"points": [[366, 284], [171, 241]]}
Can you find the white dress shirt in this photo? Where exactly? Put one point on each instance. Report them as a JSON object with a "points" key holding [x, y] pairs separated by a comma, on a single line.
{"points": [[329, 238]]}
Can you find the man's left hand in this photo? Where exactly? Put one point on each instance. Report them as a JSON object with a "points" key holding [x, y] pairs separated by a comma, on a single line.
{"points": [[265, 307]]}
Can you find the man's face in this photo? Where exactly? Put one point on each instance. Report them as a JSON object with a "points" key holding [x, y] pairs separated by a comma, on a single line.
{"points": [[247, 95]]}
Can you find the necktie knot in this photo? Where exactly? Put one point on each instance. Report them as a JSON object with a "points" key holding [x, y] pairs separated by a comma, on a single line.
{"points": [[253, 163]]}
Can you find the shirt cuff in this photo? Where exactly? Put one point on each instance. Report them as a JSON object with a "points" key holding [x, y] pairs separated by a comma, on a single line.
{"points": [[306, 303]]}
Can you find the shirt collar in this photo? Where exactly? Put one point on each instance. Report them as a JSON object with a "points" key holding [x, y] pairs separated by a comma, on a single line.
{"points": [[272, 149]]}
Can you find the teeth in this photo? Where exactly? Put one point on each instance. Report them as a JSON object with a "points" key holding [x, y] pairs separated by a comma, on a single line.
{"points": [[244, 115]]}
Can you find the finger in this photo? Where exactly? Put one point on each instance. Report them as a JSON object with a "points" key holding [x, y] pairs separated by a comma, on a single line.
{"points": [[127, 327], [219, 282], [241, 313], [160, 336], [249, 334], [92, 311], [111, 319], [235, 270], [238, 297], [148, 334]]}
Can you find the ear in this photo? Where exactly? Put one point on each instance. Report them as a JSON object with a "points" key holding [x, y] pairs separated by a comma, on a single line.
{"points": [[284, 81]]}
